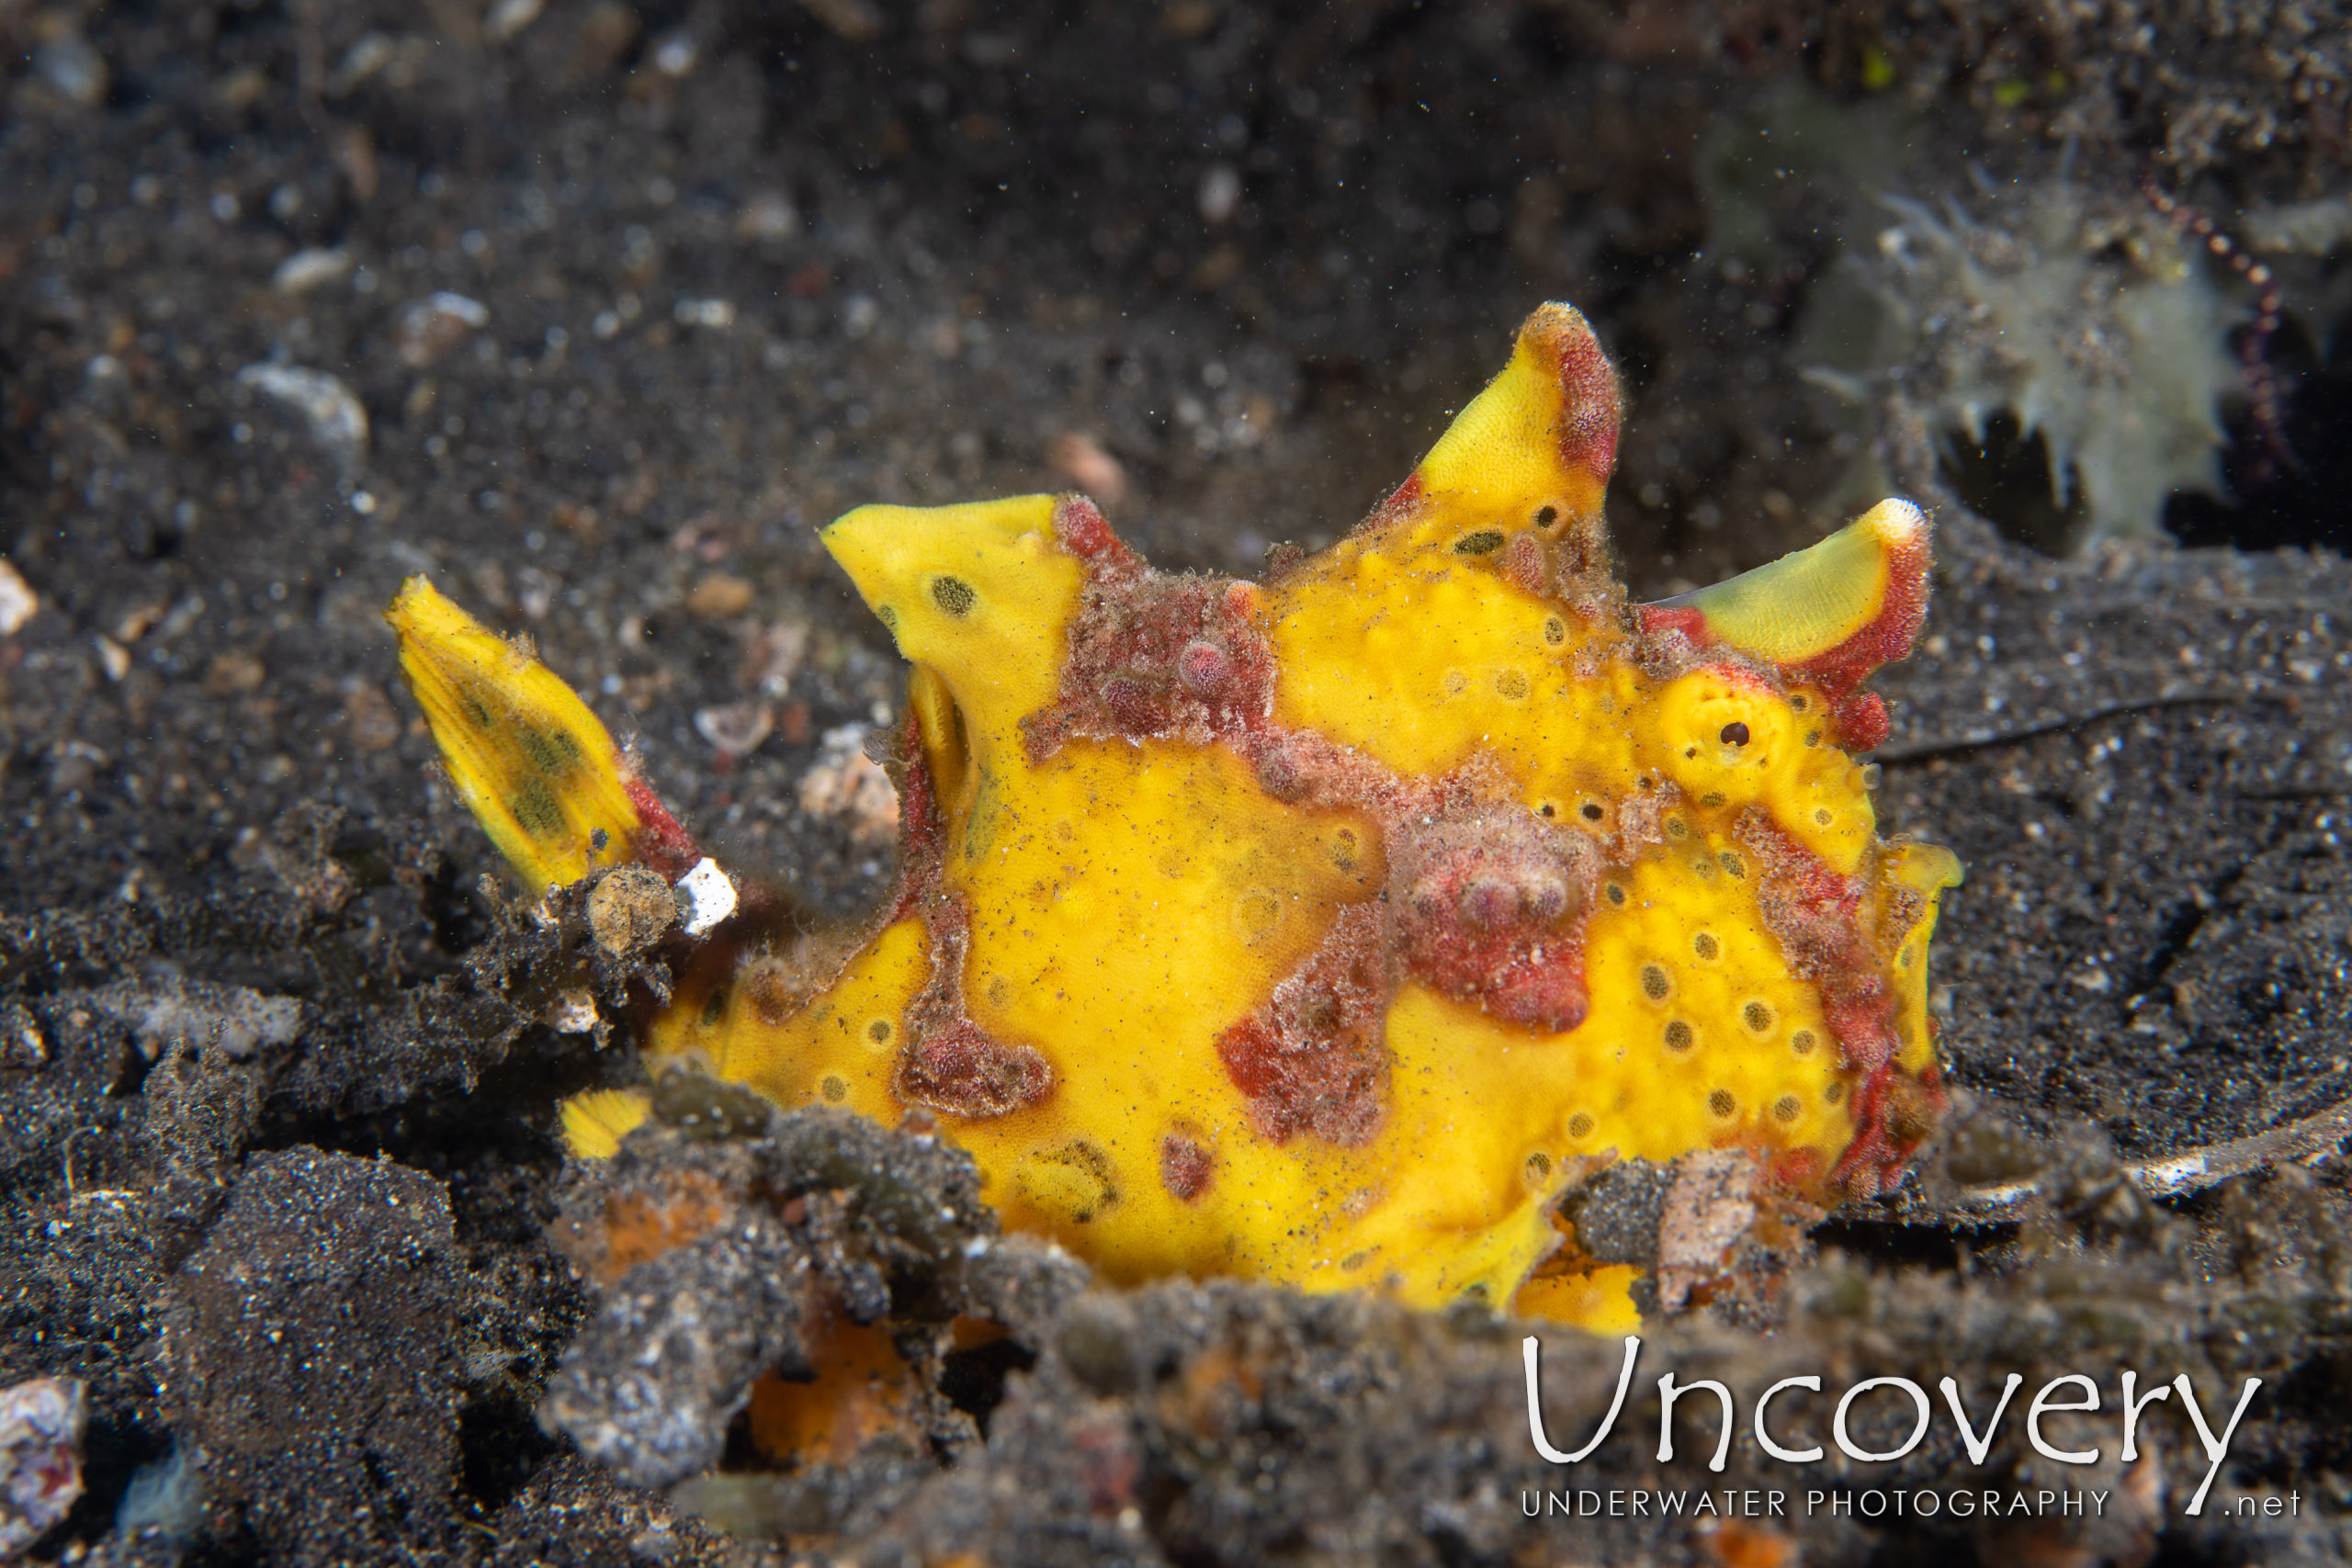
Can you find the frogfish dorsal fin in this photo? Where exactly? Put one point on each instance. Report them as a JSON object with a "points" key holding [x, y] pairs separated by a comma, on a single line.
{"points": [[1542, 435], [1828, 614]]}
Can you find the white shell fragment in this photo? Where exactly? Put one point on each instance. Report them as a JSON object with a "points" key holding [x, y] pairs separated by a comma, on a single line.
{"points": [[508, 17], [471, 312], [845, 785], [573, 1012], [433, 325], [19, 602], [706, 896], [232, 1021], [338, 420], [307, 268], [736, 728], [41, 1459]]}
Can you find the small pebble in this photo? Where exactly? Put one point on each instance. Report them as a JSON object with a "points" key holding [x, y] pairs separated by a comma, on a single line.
{"points": [[1076, 457], [507, 17], [19, 602], [719, 597], [338, 420], [1220, 193], [630, 910], [769, 215], [850, 787], [41, 1459], [78, 71], [234, 672], [736, 728], [573, 1012], [307, 268], [433, 325]]}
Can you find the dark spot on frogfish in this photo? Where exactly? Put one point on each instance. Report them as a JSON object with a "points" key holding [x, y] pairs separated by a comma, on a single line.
{"points": [[1184, 1167], [954, 596]]}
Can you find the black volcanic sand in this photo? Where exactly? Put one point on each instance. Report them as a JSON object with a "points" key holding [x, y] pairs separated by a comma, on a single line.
{"points": [[277, 1172]]}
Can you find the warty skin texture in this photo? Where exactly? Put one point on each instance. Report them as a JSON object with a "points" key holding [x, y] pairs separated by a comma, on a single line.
{"points": [[1322, 931]]}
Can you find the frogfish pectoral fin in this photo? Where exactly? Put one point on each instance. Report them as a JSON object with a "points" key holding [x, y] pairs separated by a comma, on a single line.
{"points": [[596, 1120]]}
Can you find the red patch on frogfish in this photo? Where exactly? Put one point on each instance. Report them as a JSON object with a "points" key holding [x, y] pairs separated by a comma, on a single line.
{"points": [[1815, 913], [1158, 656], [1591, 406], [661, 843], [1893, 1114], [1860, 721], [921, 830], [1861, 1016], [958, 1066], [1489, 907], [950, 1063], [1252, 1054], [1526, 568], [1657, 618], [1888, 635], [1401, 503], [1312, 1060], [1079, 525]]}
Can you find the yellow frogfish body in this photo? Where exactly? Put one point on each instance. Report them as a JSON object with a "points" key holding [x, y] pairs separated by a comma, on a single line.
{"points": [[1319, 930]]}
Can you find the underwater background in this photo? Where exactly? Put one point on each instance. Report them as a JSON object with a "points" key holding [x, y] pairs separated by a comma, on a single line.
{"points": [[595, 311]]}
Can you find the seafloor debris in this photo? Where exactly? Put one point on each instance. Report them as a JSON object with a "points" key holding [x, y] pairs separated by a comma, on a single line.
{"points": [[2066, 342], [844, 784], [806, 1266], [629, 910], [1079, 459], [336, 418], [435, 324], [1710, 1229], [735, 729], [308, 268], [1324, 930], [41, 1459], [1201, 1423], [310, 1353], [231, 1020], [2120, 366], [19, 602]]}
